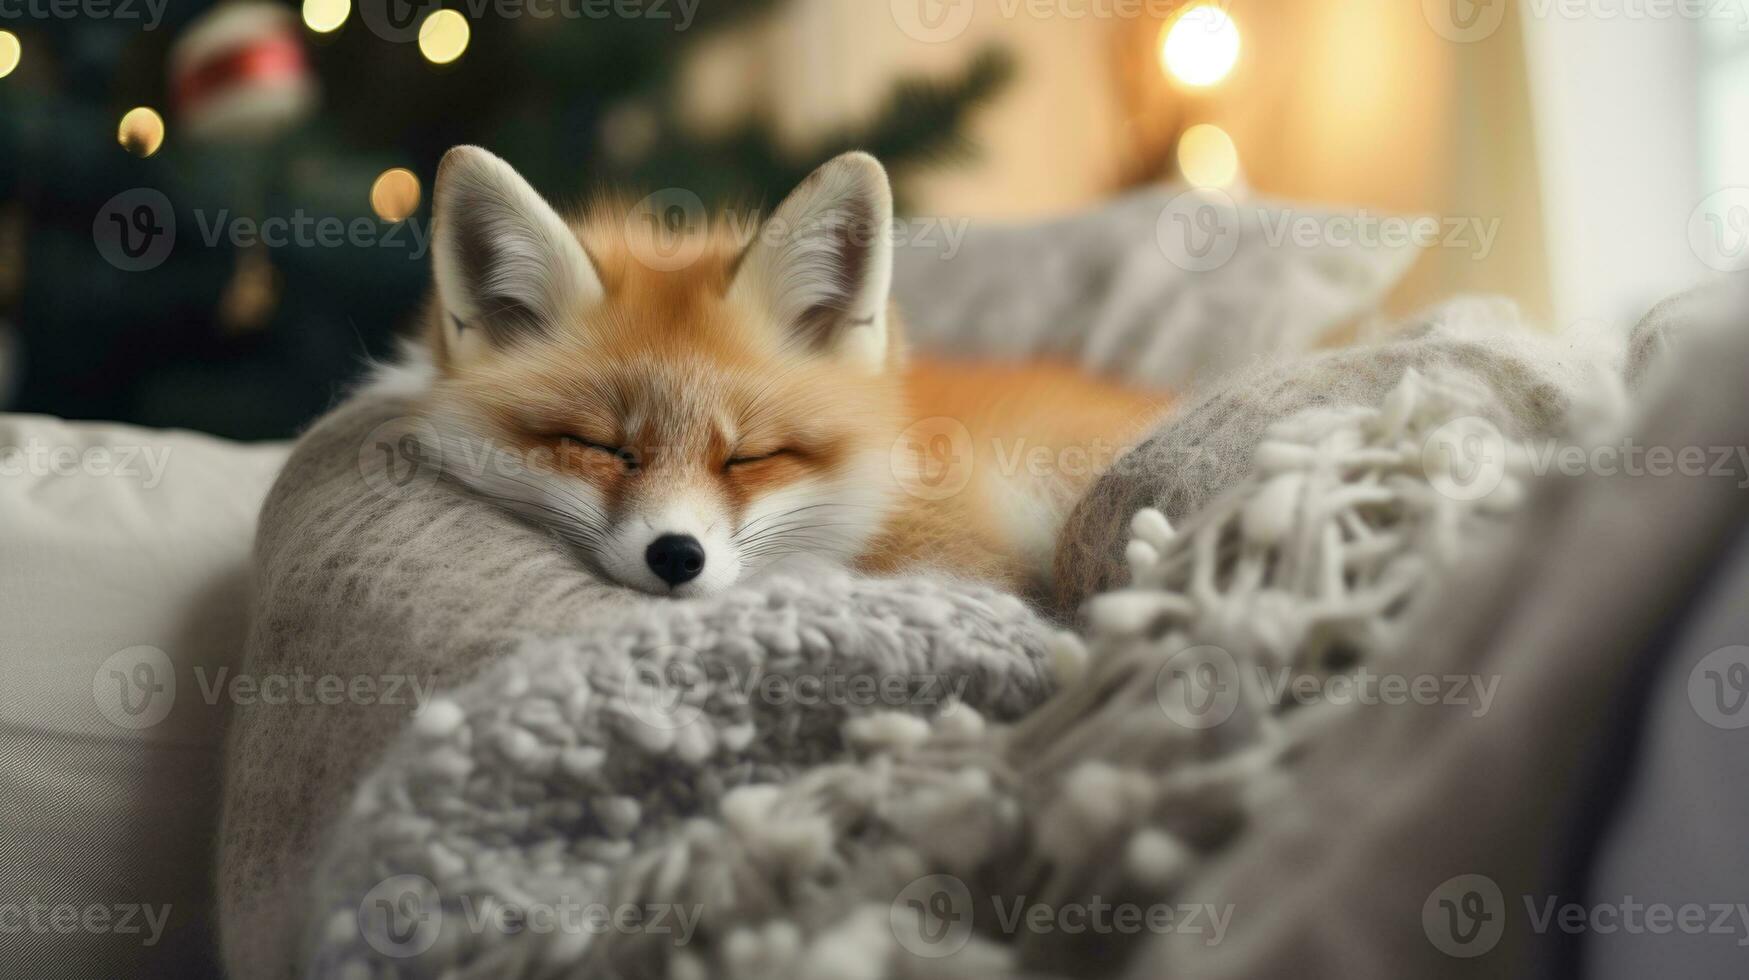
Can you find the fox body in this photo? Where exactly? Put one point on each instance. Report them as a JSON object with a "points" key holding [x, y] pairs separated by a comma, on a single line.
{"points": [[691, 411]]}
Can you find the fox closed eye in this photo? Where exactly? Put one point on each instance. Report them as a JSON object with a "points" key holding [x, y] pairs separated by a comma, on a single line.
{"points": [[626, 457], [735, 461]]}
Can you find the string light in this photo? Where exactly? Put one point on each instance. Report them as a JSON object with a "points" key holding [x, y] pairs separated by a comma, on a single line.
{"points": [[141, 131], [1200, 47], [394, 195], [443, 37], [323, 16], [1207, 156], [10, 52]]}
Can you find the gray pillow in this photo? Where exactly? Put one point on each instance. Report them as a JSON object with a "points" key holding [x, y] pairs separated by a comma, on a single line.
{"points": [[1157, 288]]}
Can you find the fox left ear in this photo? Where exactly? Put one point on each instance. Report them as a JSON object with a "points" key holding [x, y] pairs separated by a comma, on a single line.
{"points": [[506, 265], [822, 265]]}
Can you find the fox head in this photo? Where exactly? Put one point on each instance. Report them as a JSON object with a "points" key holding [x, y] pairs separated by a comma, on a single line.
{"points": [[680, 424]]}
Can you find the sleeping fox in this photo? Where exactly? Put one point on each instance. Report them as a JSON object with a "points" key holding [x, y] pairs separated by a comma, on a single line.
{"points": [[698, 423]]}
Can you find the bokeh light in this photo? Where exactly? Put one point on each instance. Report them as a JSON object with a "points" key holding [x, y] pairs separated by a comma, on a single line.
{"points": [[394, 195], [141, 131], [10, 52], [1201, 46], [443, 37], [323, 16], [1207, 156]]}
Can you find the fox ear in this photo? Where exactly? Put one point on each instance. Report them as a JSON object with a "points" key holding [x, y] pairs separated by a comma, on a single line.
{"points": [[822, 264], [506, 264]]}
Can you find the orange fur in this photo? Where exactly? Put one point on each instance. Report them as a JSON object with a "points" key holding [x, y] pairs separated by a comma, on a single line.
{"points": [[1041, 429]]}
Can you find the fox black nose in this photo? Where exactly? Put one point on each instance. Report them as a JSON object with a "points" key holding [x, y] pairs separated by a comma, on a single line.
{"points": [[675, 558]]}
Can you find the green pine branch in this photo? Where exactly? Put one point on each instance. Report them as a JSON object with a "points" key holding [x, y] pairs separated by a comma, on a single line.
{"points": [[924, 122]]}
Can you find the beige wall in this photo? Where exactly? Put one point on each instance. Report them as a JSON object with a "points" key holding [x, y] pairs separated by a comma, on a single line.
{"points": [[1346, 102], [1360, 102], [1046, 143]]}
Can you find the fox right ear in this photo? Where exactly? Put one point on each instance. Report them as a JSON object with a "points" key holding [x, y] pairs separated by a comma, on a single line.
{"points": [[506, 265], [821, 267]]}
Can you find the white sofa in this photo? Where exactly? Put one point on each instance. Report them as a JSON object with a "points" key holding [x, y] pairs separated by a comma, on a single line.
{"points": [[122, 551]]}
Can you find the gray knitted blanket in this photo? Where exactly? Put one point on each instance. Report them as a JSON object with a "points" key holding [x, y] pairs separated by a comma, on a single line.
{"points": [[398, 585], [823, 775]]}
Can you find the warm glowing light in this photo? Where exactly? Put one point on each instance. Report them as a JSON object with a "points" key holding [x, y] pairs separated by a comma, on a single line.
{"points": [[1201, 46], [323, 16], [443, 37], [10, 52], [1207, 156], [141, 131], [394, 195]]}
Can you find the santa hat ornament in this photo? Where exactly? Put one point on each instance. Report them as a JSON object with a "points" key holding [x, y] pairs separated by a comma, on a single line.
{"points": [[238, 73]]}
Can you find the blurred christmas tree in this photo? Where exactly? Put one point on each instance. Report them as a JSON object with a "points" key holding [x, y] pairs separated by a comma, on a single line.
{"points": [[231, 264]]}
